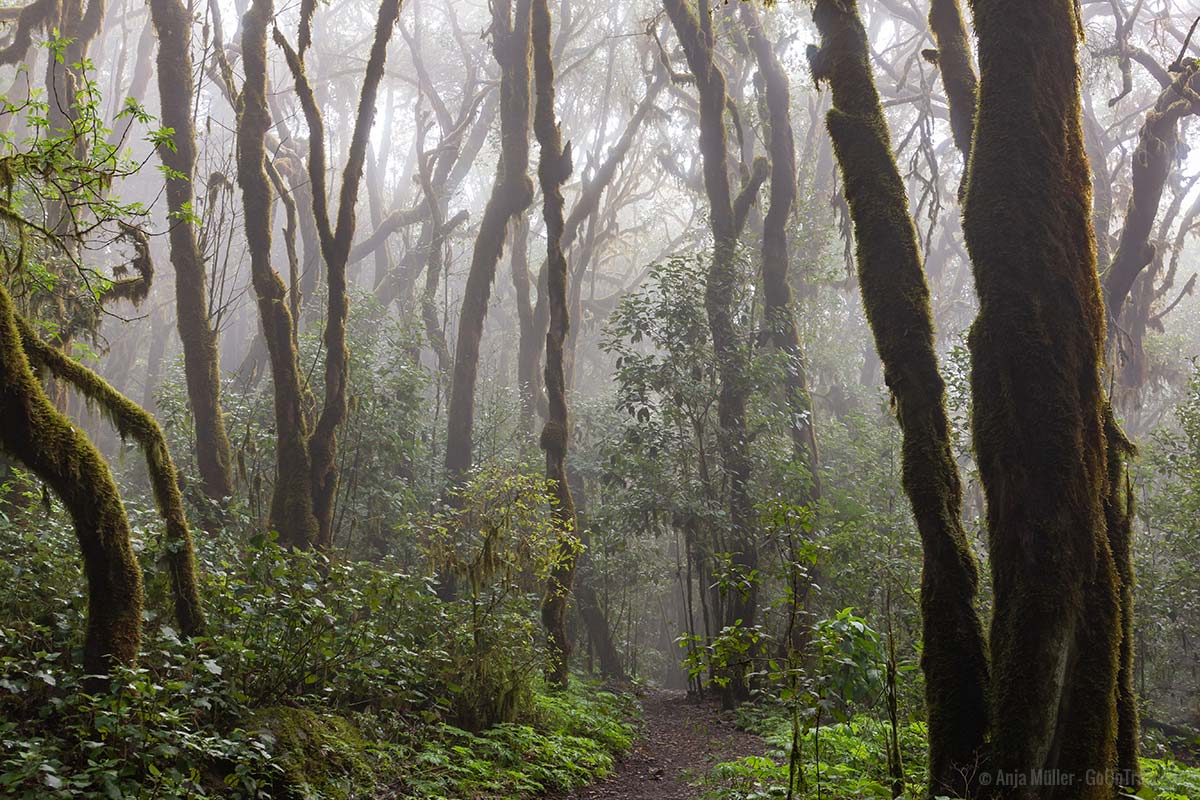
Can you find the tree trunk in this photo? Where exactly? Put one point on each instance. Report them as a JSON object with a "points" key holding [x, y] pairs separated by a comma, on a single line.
{"points": [[777, 292], [512, 193], [554, 167], [201, 361], [291, 513], [727, 217], [1039, 411], [896, 299], [39, 436]]}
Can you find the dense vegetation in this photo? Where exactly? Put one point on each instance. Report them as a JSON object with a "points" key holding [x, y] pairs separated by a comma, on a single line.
{"points": [[392, 394]]}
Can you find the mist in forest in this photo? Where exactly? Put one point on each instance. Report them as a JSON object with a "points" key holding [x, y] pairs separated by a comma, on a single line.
{"points": [[652, 399]]}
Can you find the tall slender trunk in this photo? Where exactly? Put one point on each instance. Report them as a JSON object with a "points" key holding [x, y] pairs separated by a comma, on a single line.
{"points": [[727, 217], [777, 292], [554, 167], [896, 299], [512, 193], [201, 360]]}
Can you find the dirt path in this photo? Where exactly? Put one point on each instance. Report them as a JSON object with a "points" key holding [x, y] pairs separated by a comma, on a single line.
{"points": [[679, 741]]}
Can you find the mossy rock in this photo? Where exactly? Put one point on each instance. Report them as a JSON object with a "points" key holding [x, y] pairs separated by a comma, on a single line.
{"points": [[323, 756]]}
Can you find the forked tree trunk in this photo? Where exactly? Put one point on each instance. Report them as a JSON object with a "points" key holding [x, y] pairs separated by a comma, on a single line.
{"points": [[896, 299], [291, 513], [201, 360], [554, 167], [1040, 416]]}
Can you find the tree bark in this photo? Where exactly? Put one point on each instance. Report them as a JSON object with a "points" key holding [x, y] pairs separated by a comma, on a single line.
{"points": [[896, 299], [554, 167], [1039, 410], [291, 513], [201, 359], [39, 436]]}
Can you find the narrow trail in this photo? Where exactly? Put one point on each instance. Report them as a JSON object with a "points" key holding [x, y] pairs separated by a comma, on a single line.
{"points": [[678, 742]]}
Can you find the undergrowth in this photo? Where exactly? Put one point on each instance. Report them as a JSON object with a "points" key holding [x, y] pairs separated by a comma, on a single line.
{"points": [[316, 680], [848, 761]]}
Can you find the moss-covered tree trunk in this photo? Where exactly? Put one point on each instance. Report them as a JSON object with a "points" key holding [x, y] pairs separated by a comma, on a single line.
{"points": [[201, 361], [134, 422], [35, 433], [896, 299], [1039, 410], [512, 192], [291, 513], [336, 236], [554, 167]]}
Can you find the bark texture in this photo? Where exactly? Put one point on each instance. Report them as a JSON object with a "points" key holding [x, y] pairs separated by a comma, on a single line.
{"points": [[40, 437], [1039, 410], [896, 299], [201, 359]]}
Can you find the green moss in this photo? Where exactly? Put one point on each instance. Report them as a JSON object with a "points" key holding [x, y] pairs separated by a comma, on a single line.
{"points": [[322, 755]]}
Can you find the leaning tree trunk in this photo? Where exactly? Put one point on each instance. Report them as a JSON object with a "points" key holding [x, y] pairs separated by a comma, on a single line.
{"points": [[134, 422], [896, 299], [1039, 410], [40, 437], [201, 360], [512, 193], [554, 167]]}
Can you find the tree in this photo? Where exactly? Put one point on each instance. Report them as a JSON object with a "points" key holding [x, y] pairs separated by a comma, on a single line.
{"points": [[201, 359], [1040, 416], [512, 192], [727, 218], [554, 167], [896, 299], [306, 449]]}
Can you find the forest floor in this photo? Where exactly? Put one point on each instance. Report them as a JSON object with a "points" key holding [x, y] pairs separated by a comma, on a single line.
{"points": [[679, 741]]}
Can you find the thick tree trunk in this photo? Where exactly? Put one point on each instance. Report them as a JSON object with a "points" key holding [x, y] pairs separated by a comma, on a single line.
{"points": [[201, 360], [40, 437], [896, 299], [1039, 411], [554, 167]]}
